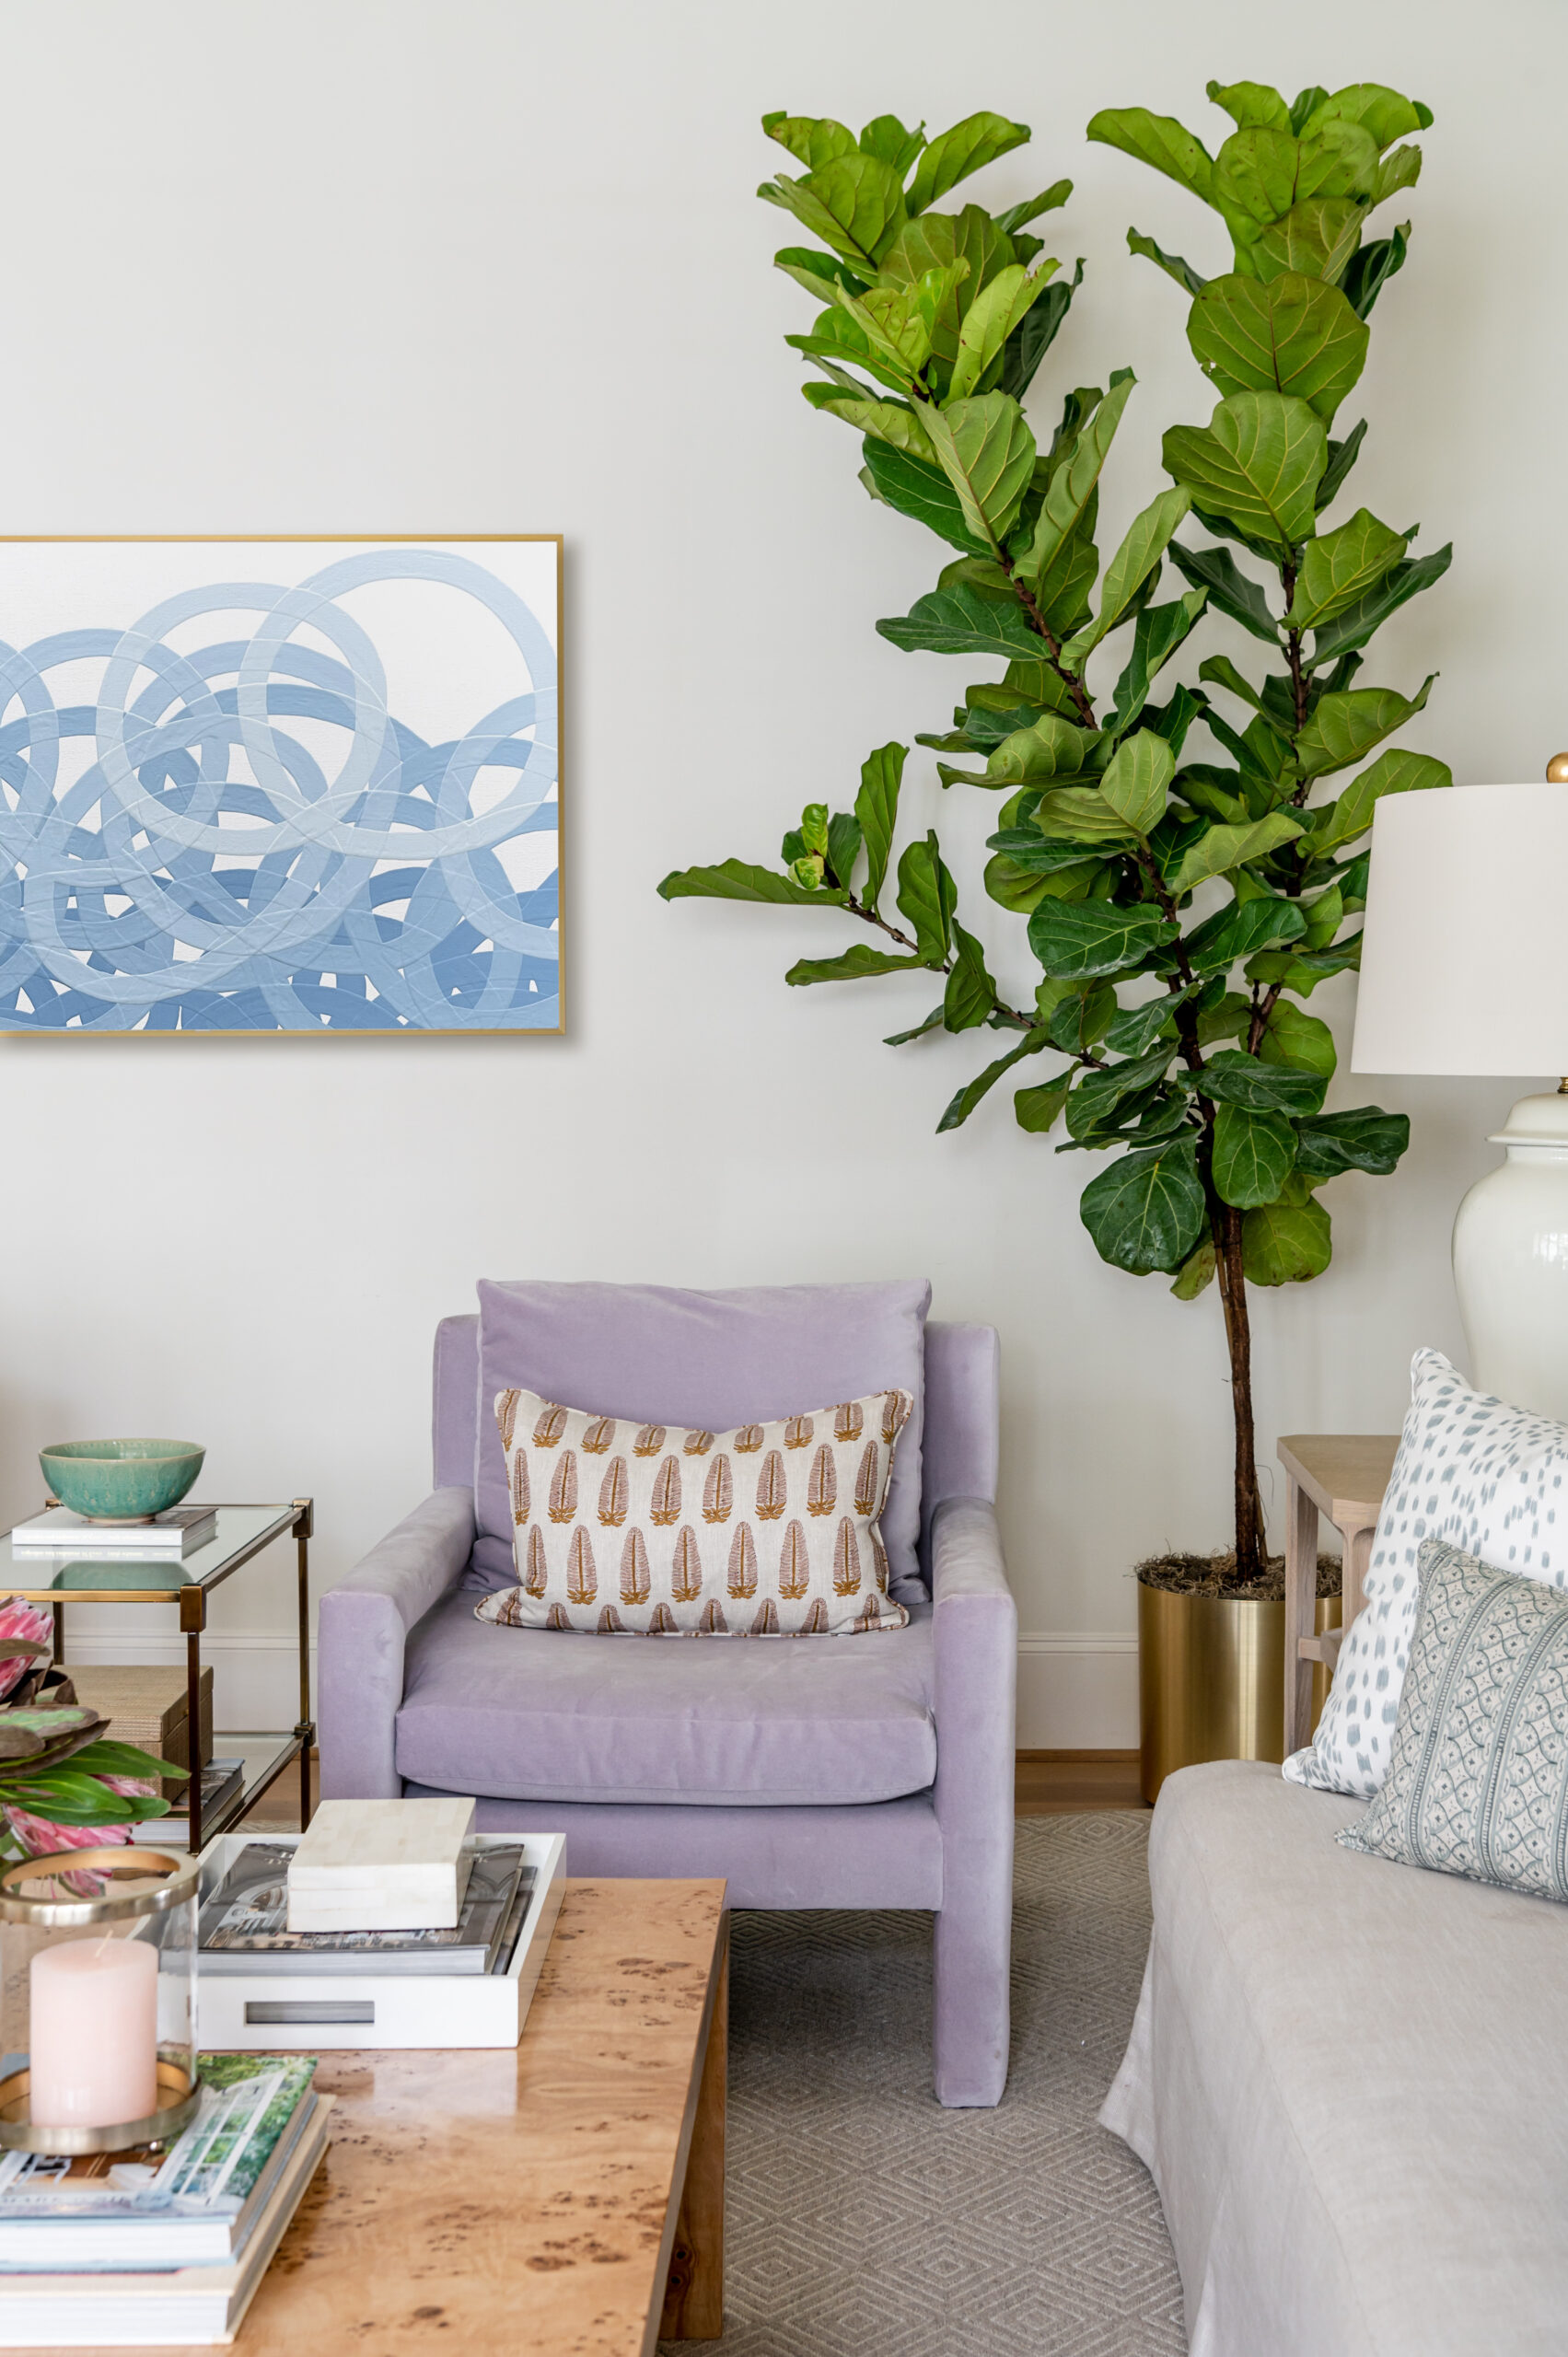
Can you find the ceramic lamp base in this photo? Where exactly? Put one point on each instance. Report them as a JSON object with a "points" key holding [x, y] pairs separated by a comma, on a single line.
{"points": [[1511, 1263]]}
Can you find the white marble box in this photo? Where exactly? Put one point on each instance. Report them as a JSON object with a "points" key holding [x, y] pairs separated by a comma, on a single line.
{"points": [[278, 2010], [382, 1866]]}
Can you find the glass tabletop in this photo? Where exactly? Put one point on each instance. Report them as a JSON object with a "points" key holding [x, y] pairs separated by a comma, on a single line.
{"points": [[242, 1532]]}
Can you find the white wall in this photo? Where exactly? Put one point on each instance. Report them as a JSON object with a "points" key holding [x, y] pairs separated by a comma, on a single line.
{"points": [[469, 265]]}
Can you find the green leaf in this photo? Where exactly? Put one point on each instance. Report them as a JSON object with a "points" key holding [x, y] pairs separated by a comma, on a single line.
{"points": [[887, 137], [1147, 538], [901, 1038], [1395, 771], [1159, 140], [1035, 334], [961, 621], [1305, 107], [817, 272], [1073, 485], [105, 1759], [1133, 1032], [1401, 170], [1156, 634], [1293, 334], [1235, 931], [1018, 216], [844, 846], [1076, 940], [1196, 1271], [1021, 890], [1315, 240], [987, 454], [968, 1096], [1258, 460], [864, 197], [970, 992], [811, 140], [1356, 624], [1147, 1210], [854, 965], [1367, 1140], [1369, 270], [968, 147], [1342, 456], [1303, 972], [1137, 779], [1233, 1077], [1219, 671], [876, 808], [921, 490], [886, 421], [1253, 1155], [1292, 1037], [1081, 1017], [1172, 264], [1080, 814], [1231, 592], [1038, 1109], [1251, 106], [1375, 107], [996, 311], [1223, 848], [1344, 728], [1342, 566], [1049, 747], [1094, 1103], [1030, 851], [738, 879], [1285, 1243], [927, 897]]}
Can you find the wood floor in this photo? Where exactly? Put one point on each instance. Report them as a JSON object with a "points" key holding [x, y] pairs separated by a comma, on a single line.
{"points": [[1065, 1784], [1048, 1783]]}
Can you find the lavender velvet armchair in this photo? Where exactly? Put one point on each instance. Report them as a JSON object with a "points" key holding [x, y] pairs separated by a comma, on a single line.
{"points": [[870, 1771]]}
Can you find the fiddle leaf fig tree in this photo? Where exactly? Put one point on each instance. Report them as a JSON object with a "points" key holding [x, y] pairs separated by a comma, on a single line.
{"points": [[1180, 904]]}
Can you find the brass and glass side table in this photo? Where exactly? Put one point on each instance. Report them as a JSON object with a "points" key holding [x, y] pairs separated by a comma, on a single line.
{"points": [[241, 1533]]}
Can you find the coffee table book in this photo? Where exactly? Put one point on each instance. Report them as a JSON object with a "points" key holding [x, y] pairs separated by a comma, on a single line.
{"points": [[178, 2307], [272, 2010]]}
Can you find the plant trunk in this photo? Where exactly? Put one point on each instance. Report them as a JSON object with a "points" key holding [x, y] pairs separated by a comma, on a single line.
{"points": [[1251, 1547]]}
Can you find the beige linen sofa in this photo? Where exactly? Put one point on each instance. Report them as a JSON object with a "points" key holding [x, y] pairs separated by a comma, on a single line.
{"points": [[1350, 2081]]}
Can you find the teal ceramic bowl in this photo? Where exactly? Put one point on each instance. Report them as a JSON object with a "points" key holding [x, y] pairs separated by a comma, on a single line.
{"points": [[120, 1481]]}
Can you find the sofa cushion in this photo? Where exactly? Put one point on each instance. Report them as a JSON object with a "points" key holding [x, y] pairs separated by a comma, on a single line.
{"points": [[1351, 2086], [1471, 1470], [771, 1530], [659, 1354], [536, 1714]]}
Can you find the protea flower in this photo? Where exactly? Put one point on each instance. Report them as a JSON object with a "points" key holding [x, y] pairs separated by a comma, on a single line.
{"points": [[38, 1838], [33, 1624]]}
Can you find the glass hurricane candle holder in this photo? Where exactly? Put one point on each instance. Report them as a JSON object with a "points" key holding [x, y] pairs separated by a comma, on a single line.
{"points": [[98, 2000]]}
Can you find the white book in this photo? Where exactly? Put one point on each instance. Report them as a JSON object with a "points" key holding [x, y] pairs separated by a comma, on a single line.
{"points": [[186, 2306], [60, 1532], [382, 1866]]}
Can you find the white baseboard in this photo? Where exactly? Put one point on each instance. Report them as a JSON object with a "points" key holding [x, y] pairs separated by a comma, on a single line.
{"points": [[1078, 1690], [255, 1672]]}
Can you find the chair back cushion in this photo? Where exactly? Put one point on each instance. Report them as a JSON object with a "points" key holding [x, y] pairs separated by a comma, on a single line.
{"points": [[660, 1355]]}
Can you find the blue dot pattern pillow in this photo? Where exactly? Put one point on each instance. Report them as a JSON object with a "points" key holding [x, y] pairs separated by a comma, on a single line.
{"points": [[1488, 1479]]}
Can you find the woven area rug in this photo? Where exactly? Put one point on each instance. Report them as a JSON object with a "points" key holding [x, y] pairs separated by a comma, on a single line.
{"points": [[863, 2220]]}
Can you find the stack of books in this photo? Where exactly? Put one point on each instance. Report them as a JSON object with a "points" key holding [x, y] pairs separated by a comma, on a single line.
{"points": [[244, 1924], [142, 2248], [59, 1532]]}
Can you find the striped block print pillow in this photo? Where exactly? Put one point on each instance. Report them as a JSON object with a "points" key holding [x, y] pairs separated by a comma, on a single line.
{"points": [[1478, 1780], [628, 1529]]}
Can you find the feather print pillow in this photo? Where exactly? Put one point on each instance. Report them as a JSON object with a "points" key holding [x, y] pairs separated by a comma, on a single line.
{"points": [[628, 1529]]}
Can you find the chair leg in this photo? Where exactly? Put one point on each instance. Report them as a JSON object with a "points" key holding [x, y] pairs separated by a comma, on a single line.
{"points": [[972, 1967]]}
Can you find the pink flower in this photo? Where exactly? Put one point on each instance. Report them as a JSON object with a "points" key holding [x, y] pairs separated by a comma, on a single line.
{"points": [[41, 1838], [32, 1622]]}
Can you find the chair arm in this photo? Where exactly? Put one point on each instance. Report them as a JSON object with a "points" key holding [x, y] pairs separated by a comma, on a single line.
{"points": [[363, 1625], [975, 1633]]}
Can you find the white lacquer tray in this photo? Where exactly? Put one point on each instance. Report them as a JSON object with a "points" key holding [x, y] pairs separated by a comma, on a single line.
{"points": [[269, 2012]]}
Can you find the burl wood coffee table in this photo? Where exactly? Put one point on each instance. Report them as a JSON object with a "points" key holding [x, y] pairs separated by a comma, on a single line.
{"points": [[567, 2196]]}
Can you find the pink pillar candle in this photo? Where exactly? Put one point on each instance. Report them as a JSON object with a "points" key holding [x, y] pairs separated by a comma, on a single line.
{"points": [[93, 2035]]}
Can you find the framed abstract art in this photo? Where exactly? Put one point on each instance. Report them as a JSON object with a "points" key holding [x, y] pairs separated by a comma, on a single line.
{"points": [[280, 785]]}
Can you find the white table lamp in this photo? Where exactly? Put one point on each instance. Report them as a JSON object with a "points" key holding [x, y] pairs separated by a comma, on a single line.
{"points": [[1464, 969]]}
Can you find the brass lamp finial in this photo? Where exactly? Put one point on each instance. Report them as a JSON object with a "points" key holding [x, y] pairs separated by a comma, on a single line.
{"points": [[1557, 770]]}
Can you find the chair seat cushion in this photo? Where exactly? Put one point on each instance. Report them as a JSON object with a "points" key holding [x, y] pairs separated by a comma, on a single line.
{"points": [[537, 1713]]}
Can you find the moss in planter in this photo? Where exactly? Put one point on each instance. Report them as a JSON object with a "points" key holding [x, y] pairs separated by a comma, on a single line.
{"points": [[1215, 1575]]}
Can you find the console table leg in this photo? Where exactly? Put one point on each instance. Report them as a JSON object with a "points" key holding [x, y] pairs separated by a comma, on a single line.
{"points": [[194, 1735], [1301, 1609], [306, 1729], [694, 2298]]}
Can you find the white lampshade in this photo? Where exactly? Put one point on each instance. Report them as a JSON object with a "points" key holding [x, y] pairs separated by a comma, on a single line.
{"points": [[1464, 966]]}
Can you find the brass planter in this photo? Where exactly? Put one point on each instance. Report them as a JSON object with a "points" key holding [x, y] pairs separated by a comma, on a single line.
{"points": [[1211, 1679]]}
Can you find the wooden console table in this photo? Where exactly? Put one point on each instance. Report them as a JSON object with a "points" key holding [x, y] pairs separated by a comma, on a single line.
{"points": [[1343, 1476]]}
